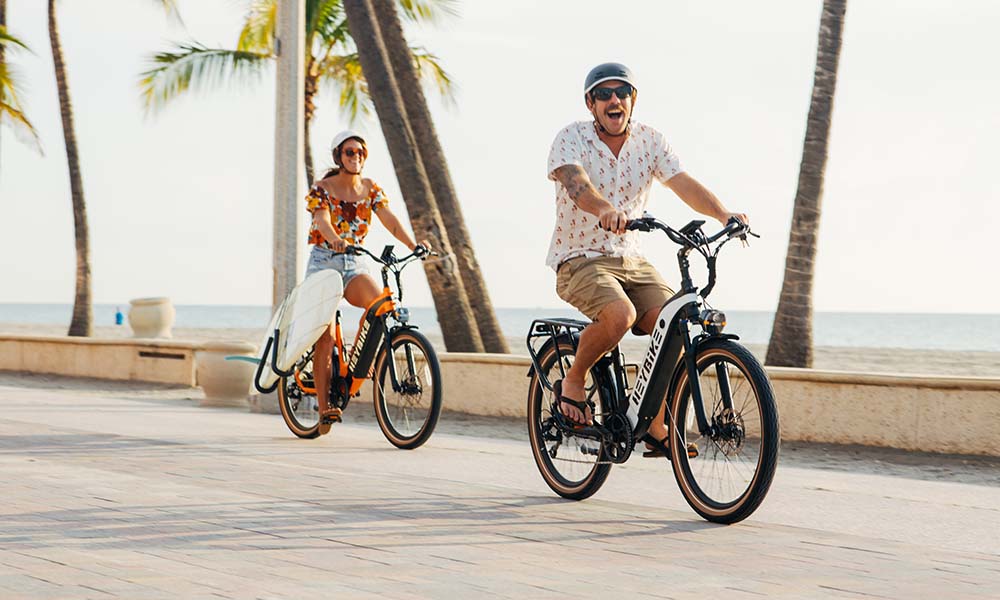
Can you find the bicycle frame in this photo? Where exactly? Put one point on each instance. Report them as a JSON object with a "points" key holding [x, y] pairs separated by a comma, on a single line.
{"points": [[374, 331]]}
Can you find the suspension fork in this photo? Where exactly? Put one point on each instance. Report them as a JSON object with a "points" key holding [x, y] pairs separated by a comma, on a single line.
{"points": [[387, 349], [694, 382], [723, 375], [407, 349]]}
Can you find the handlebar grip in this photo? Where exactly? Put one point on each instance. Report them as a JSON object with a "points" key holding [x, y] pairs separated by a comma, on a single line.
{"points": [[637, 225]]}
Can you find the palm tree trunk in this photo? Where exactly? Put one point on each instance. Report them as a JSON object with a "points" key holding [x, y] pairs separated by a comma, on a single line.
{"points": [[83, 312], [432, 156], [455, 315], [310, 110], [791, 338]]}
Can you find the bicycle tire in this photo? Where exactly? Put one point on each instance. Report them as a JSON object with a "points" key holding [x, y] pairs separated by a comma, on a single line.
{"points": [[748, 426], [395, 422], [299, 419], [539, 404]]}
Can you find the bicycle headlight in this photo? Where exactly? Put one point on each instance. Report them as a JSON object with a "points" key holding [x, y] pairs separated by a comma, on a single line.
{"points": [[713, 321], [403, 315]]}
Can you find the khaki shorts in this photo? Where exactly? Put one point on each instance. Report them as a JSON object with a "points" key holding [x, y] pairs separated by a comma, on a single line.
{"points": [[590, 284]]}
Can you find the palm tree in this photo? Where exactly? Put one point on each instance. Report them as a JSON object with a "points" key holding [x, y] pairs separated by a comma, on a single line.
{"points": [[81, 323], [331, 61], [405, 70], [83, 312], [454, 313], [791, 338]]}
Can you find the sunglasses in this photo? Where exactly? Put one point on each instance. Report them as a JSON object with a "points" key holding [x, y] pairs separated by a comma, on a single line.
{"points": [[604, 94], [350, 152]]}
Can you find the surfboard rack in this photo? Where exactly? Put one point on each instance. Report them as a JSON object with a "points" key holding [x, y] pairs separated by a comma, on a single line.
{"points": [[271, 347]]}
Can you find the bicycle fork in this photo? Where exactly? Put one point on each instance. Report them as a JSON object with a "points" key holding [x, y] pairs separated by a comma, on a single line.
{"points": [[694, 381]]}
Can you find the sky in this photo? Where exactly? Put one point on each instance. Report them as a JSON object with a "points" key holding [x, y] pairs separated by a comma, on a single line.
{"points": [[180, 202]]}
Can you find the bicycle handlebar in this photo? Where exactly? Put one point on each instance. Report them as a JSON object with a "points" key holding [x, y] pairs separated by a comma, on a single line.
{"points": [[691, 237], [419, 251], [734, 228]]}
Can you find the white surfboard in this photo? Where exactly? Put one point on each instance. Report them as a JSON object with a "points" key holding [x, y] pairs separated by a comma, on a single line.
{"points": [[300, 320], [315, 304]]}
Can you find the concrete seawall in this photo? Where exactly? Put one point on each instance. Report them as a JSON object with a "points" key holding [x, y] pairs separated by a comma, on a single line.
{"points": [[931, 414]]}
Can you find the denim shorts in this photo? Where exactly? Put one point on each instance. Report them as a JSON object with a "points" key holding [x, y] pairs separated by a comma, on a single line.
{"points": [[348, 265]]}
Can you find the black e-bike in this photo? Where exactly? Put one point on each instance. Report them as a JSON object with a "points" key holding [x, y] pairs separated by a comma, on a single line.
{"points": [[721, 416]]}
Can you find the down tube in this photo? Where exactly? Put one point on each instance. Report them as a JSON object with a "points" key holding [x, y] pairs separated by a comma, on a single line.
{"points": [[665, 346]]}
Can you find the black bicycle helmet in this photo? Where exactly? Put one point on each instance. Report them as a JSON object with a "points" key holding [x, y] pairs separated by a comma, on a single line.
{"points": [[607, 72]]}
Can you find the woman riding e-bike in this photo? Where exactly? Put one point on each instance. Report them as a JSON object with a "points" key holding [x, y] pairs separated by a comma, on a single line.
{"points": [[342, 204]]}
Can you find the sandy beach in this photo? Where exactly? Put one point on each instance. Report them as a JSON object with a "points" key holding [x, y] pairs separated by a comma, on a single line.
{"points": [[868, 360]]}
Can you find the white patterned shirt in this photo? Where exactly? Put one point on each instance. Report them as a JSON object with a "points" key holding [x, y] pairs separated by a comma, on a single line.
{"points": [[624, 181]]}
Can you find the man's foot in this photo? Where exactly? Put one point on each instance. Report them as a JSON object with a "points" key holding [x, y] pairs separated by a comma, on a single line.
{"points": [[577, 412], [656, 447]]}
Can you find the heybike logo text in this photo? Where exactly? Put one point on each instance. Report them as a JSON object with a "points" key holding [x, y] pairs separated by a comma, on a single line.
{"points": [[658, 335], [362, 337]]}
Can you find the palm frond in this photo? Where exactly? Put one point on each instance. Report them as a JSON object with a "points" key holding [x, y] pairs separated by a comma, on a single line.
{"points": [[431, 72], [193, 66], [12, 112], [7, 40], [431, 11], [342, 75], [171, 7], [259, 28], [328, 24]]}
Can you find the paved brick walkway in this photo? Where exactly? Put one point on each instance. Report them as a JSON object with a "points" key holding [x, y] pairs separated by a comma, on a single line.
{"points": [[120, 494]]}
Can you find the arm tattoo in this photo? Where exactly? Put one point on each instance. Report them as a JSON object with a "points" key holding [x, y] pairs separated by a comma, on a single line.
{"points": [[576, 182]]}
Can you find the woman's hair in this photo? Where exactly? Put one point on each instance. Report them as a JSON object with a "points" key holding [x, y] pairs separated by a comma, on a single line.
{"points": [[336, 156]]}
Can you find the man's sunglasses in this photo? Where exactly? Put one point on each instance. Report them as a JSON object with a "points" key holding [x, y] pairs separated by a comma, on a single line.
{"points": [[604, 94], [350, 152]]}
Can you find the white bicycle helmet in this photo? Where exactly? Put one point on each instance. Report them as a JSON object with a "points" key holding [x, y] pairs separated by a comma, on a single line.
{"points": [[343, 136]]}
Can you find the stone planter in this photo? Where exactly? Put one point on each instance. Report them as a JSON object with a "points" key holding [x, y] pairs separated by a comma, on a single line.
{"points": [[151, 317], [225, 382]]}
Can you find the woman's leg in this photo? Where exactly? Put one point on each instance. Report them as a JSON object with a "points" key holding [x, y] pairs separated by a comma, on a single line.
{"points": [[362, 290], [322, 354]]}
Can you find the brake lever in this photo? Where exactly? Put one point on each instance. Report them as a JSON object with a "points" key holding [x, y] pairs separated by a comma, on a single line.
{"points": [[743, 238]]}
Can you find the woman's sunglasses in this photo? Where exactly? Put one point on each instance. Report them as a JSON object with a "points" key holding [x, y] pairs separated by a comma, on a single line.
{"points": [[604, 94], [350, 152]]}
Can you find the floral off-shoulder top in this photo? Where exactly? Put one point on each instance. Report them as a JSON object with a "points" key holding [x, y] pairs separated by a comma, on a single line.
{"points": [[351, 220]]}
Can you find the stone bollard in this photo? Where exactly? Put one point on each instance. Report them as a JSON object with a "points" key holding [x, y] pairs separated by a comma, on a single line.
{"points": [[225, 382], [151, 317]]}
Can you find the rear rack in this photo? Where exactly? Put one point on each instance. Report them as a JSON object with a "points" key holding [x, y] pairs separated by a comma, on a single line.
{"points": [[543, 331]]}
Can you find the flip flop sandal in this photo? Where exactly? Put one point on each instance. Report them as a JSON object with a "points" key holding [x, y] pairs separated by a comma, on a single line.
{"points": [[579, 404], [661, 448], [331, 415]]}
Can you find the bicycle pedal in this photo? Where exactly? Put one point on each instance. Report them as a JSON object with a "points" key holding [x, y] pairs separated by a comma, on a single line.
{"points": [[692, 451], [331, 418]]}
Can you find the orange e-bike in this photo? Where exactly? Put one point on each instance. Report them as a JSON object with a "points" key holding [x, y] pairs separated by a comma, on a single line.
{"points": [[402, 364]]}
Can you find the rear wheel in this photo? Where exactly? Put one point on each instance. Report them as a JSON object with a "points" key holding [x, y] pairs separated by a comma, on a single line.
{"points": [[570, 465], [297, 399], [737, 457], [408, 415]]}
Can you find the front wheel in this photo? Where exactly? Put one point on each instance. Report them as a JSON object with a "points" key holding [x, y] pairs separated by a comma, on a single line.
{"points": [[408, 411], [729, 475]]}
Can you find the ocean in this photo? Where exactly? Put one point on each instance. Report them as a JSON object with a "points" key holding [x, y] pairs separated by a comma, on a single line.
{"points": [[853, 330]]}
